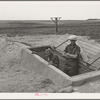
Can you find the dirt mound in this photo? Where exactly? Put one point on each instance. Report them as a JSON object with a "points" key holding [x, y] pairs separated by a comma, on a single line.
{"points": [[14, 78]]}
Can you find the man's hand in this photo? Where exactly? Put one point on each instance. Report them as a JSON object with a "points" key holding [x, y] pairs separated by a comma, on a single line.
{"points": [[72, 55], [52, 47], [68, 54], [65, 55]]}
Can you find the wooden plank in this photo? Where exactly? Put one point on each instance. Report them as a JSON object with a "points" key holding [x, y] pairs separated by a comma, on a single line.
{"points": [[85, 68], [90, 52], [94, 58], [82, 69], [90, 45], [83, 54], [96, 65], [89, 41], [85, 46], [89, 56], [89, 48]]}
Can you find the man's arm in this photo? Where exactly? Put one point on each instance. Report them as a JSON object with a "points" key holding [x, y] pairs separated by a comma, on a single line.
{"points": [[71, 55], [67, 55], [76, 53], [64, 54]]}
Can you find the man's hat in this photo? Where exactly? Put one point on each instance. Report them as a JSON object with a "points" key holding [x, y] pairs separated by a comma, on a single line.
{"points": [[72, 37]]}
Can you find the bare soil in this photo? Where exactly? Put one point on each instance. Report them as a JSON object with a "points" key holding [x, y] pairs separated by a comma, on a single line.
{"points": [[14, 78]]}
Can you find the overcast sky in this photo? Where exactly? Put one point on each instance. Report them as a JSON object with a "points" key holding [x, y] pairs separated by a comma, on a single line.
{"points": [[43, 10]]}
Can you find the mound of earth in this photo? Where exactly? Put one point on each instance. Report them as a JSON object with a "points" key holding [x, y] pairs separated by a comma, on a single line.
{"points": [[14, 78]]}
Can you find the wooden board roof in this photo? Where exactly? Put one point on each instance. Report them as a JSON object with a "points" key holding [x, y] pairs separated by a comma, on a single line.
{"points": [[90, 50]]}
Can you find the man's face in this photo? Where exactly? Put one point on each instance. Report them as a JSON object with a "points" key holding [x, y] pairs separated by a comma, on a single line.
{"points": [[73, 42]]}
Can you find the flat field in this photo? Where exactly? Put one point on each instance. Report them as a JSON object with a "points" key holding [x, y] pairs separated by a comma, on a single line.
{"points": [[32, 27]]}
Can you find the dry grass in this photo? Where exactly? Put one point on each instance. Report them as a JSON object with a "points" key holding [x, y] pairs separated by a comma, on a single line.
{"points": [[78, 27]]}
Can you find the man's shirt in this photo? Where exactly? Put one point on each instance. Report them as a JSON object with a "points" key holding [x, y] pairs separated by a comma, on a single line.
{"points": [[72, 49]]}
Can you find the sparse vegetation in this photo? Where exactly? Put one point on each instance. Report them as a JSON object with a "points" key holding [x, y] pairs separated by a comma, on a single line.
{"points": [[78, 27]]}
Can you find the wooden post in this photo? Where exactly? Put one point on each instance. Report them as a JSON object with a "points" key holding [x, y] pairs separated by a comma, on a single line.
{"points": [[55, 20]]}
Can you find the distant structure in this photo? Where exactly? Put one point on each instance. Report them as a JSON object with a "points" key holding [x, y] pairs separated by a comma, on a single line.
{"points": [[56, 20], [93, 19]]}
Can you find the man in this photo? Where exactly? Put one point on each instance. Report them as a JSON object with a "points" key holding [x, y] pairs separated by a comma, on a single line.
{"points": [[51, 58], [48, 54], [71, 53]]}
